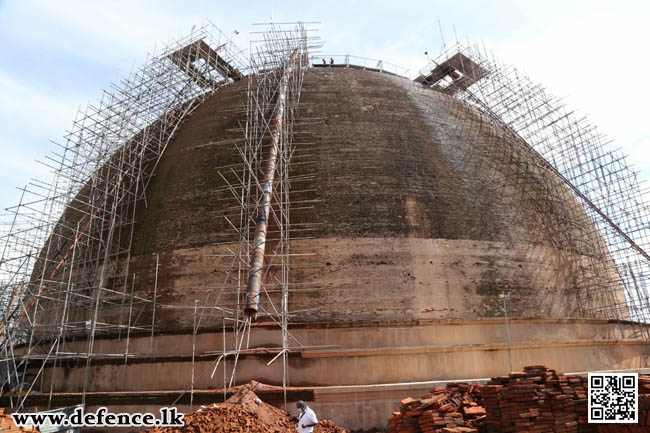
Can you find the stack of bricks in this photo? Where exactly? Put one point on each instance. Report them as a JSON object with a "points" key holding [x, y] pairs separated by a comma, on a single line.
{"points": [[450, 409], [534, 400], [7, 424], [540, 400], [643, 425], [491, 397], [575, 389]]}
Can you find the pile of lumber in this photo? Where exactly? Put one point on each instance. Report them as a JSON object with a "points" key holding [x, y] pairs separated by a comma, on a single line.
{"points": [[449, 409]]}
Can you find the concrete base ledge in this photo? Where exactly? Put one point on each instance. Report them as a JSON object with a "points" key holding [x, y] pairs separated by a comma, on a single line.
{"points": [[273, 326], [368, 335], [353, 406], [338, 353], [100, 359]]}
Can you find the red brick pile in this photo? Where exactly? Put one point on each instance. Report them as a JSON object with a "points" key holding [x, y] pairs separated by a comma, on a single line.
{"points": [[644, 417], [7, 424], [539, 399], [244, 412], [536, 400], [450, 409]]}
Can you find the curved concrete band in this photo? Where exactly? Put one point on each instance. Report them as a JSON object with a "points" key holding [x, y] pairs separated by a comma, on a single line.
{"points": [[366, 368]]}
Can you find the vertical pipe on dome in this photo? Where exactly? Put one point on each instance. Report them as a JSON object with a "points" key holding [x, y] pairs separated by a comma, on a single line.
{"points": [[269, 166]]}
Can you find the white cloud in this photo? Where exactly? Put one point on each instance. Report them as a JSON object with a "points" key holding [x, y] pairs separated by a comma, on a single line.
{"points": [[111, 33], [596, 57], [28, 117], [598, 61], [23, 106]]}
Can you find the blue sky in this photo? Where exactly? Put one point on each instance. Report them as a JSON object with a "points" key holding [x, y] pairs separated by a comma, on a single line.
{"points": [[57, 55]]}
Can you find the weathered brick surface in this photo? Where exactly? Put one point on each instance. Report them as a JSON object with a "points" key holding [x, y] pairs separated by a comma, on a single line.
{"points": [[408, 205]]}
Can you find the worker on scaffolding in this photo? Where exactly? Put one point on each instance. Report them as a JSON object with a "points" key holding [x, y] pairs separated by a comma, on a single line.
{"points": [[306, 418], [331, 61]]}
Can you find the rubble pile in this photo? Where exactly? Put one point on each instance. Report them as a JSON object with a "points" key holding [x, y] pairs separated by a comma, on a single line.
{"points": [[228, 419], [244, 412], [450, 409]]}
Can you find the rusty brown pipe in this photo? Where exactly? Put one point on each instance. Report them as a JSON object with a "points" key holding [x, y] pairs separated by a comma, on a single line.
{"points": [[269, 166]]}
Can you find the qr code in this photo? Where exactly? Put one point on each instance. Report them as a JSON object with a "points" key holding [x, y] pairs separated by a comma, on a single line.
{"points": [[613, 398]]}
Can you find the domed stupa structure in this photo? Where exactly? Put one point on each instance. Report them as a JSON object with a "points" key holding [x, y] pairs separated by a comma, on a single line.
{"points": [[340, 233]]}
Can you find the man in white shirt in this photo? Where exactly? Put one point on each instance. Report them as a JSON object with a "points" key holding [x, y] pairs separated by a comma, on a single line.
{"points": [[306, 418]]}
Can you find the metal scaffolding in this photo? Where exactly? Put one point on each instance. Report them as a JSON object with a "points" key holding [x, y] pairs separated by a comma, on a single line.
{"points": [[68, 241], [67, 247], [556, 147], [261, 188], [66, 252]]}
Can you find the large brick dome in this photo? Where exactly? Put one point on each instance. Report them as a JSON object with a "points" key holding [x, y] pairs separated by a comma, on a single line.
{"points": [[410, 215], [406, 204]]}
